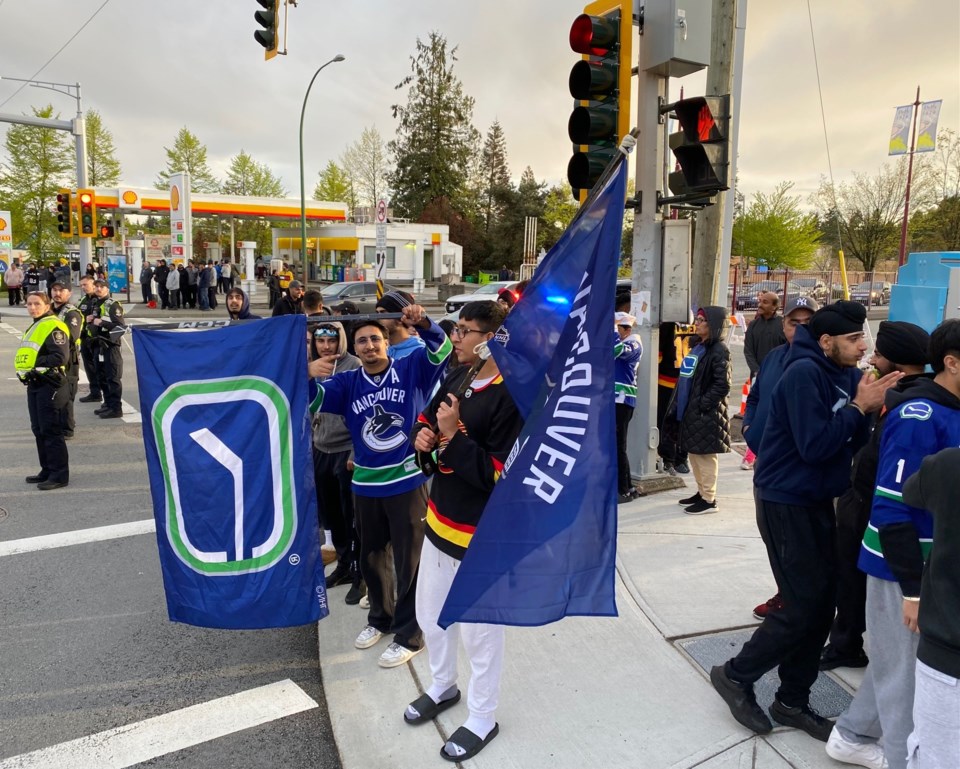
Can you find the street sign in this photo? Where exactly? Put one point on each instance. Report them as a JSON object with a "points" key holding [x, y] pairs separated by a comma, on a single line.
{"points": [[381, 267]]}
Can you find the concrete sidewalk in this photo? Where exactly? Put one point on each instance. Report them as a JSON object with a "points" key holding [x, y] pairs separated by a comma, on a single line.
{"points": [[602, 692]]}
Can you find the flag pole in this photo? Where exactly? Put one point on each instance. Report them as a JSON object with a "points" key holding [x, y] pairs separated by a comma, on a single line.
{"points": [[906, 201]]}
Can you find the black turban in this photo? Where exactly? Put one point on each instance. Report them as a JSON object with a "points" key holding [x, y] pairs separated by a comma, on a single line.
{"points": [[394, 301], [837, 319], [902, 342]]}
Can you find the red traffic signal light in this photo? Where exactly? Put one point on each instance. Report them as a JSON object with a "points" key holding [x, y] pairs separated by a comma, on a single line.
{"points": [[701, 146], [87, 213], [106, 231], [64, 217], [600, 82]]}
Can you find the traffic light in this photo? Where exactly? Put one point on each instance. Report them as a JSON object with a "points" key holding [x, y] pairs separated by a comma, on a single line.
{"points": [[64, 217], [701, 146], [106, 230], [87, 213], [269, 20], [600, 83]]}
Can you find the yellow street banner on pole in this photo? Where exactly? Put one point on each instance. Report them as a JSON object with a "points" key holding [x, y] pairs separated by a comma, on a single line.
{"points": [[927, 126], [900, 132]]}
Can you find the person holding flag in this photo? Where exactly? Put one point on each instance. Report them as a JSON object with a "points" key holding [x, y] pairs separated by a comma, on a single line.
{"points": [[472, 436], [380, 402]]}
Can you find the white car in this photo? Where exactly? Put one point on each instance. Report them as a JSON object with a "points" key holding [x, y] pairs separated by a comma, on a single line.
{"points": [[486, 291]]}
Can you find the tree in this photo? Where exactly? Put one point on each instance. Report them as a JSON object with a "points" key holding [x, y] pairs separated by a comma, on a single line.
{"points": [[365, 162], [774, 232], [494, 177], [435, 138], [39, 162], [559, 208], [937, 229], [946, 164], [335, 186], [103, 168], [249, 178], [188, 154]]}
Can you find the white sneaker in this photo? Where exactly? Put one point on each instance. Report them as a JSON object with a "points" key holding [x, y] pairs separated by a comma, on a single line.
{"points": [[365, 602], [868, 754], [368, 637], [746, 464], [395, 655]]}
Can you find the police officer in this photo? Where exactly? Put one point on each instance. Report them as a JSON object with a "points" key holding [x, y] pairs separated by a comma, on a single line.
{"points": [[40, 364], [73, 320], [108, 329], [88, 344]]}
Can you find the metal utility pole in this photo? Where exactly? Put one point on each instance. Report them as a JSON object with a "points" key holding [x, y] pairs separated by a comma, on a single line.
{"points": [[77, 127], [711, 251]]}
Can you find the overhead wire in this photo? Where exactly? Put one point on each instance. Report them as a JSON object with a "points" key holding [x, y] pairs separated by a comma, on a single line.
{"points": [[823, 118], [62, 47]]}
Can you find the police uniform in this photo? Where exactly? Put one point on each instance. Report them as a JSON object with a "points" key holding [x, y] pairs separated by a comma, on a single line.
{"points": [[89, 348], [40, 364], [108, 334], [73, 320]]}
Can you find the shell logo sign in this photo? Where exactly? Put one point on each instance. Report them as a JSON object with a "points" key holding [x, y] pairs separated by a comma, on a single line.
{"points": [[129, 197], [3, 224], [174, 198]]}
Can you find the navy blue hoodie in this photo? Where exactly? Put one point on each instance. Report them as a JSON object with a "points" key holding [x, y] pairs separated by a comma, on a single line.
{"points": [[810, 435]]}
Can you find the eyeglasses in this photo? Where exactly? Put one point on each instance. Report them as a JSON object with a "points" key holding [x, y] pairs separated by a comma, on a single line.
{"points": [[699, 319], [362, 340], [461, 332], [325, 333]]}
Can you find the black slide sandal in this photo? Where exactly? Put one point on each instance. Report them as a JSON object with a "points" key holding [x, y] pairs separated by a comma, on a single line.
{"points": [[470, 743], [428, 709]]}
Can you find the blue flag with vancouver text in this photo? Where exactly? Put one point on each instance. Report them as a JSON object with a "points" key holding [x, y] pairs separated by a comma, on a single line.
{"points": [[227, 436], [546, 545]]}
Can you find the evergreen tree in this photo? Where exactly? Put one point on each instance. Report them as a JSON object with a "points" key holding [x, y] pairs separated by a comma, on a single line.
{"points": [[435, 138], [103, 168], [366, 163], [335, 186], [39, 162], [188, 154], [559, 208], [249, 178], [495, 176]]}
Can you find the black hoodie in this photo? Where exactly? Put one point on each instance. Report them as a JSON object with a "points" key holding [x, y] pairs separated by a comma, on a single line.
{"points": [[810, 436], [244, 313]]}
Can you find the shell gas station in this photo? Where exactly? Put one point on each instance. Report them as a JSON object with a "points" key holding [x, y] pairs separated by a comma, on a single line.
{"points": [[338, 247]]}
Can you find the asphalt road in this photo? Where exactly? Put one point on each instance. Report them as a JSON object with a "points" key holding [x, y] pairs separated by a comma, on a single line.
{"points": [[85, 643]]}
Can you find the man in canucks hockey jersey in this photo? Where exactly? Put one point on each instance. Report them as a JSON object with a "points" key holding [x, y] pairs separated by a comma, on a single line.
{"points": [[380, 402], [923, 418]]}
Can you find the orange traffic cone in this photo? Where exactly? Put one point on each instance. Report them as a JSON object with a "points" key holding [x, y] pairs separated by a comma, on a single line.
{"points": [[743, 397]]}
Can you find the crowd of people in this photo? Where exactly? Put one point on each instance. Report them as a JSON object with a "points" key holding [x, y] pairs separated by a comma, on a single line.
{"points": [[178, 286]]}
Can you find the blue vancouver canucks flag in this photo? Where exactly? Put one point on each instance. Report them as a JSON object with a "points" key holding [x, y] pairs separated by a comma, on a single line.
{"points": [[546, 545], [228, 443]]}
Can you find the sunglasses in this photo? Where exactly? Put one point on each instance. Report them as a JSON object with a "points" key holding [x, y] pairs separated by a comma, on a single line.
{"points": [[325, 333]]}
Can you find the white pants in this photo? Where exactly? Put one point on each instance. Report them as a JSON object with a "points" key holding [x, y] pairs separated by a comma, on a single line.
{"points": [[935, 742], [484, 643]]}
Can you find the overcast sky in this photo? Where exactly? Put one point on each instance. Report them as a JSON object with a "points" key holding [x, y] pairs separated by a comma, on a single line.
{"points": [[152, 67]]}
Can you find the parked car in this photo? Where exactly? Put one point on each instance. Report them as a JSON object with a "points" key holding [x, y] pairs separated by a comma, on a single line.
{"points": [[814, 288], [486, 291], [362, 293], [747, 299], [876, 294]]}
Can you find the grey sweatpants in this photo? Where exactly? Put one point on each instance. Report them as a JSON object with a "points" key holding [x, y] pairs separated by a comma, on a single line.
{"points": [[884, 702], [935, 742]]}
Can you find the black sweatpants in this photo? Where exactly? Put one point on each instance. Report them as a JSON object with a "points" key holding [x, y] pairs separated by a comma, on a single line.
{"points": [[801, 547], [853, 515], [335, 503], [67, 422], [392, 523], [624, 415]]}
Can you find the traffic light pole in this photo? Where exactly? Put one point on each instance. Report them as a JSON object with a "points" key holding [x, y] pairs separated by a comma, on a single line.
{"points": [[644, 437]]}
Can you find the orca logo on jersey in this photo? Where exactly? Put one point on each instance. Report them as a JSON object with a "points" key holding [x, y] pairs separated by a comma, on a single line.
{"points": [[916, 410], [379, 431]]}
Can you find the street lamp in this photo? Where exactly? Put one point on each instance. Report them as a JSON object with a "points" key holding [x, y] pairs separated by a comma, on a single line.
{"points": [[303, 197]]}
